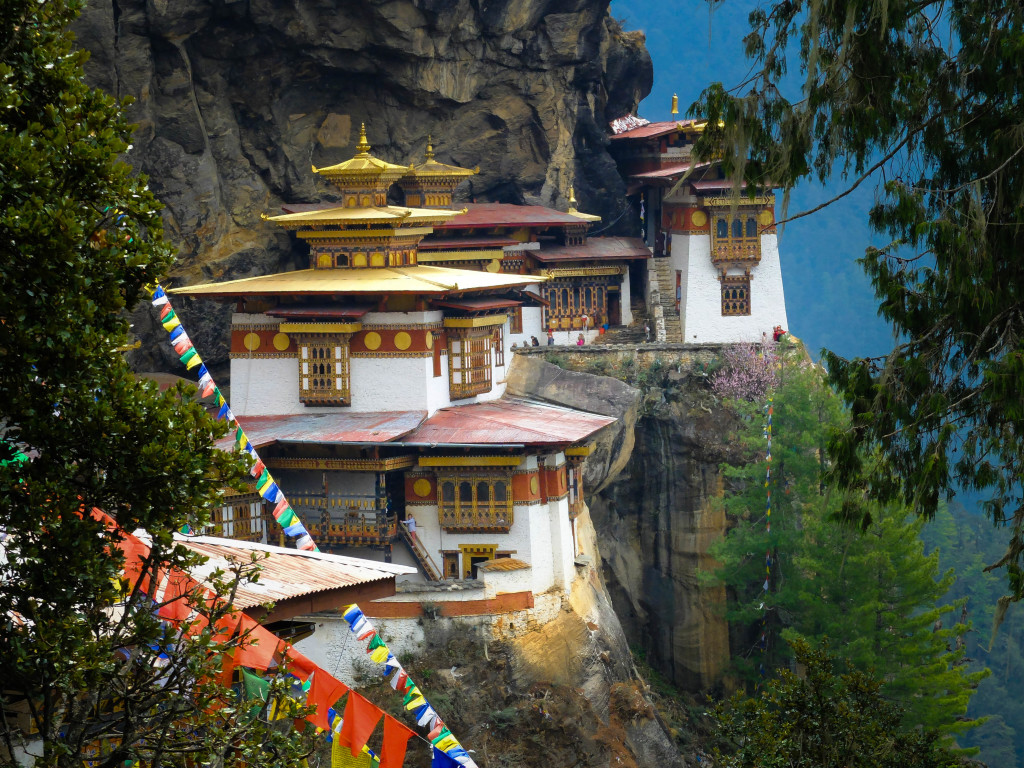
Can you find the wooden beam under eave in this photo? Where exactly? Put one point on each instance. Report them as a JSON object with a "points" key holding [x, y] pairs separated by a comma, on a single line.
{"points": [[328, 600]]}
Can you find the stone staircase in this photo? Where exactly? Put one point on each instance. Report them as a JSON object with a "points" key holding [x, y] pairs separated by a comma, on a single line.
{"points": [[667, 293], [630, 334], [430, 569]]}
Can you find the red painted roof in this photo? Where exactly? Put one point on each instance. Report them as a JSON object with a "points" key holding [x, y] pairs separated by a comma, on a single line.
{"points": [[596, 249], [286, 573], [653, 130], [714, 184], [670, 171], [477, 305], [319, 312], [438, 244], [382, 427], [507, 421], [508, 215]]}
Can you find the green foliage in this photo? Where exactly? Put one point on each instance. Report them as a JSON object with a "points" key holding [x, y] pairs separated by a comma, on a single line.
{"points": [[823, 719], [80, 237], [927, 97], [873, 593]]}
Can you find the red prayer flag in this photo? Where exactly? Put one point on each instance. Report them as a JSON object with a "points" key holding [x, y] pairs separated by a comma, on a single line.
{"points": [[175, 605], [324, 692], [361, 717], [396, 739]]}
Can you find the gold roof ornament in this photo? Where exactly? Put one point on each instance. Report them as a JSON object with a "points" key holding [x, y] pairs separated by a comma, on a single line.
{"points": [[429, 154], [363, 147], [363, 170], [433, 170], [675, 104], [572, 207]]}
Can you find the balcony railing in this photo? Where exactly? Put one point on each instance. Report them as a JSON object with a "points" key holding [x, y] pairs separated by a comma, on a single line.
{"points": [[743, 249], [347, 520], [469, 518]]}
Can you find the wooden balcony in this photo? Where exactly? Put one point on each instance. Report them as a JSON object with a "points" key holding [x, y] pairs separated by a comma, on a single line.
{"points": [[743, 250]]}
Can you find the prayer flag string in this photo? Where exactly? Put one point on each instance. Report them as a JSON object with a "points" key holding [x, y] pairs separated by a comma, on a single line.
{"points": [[265, 483]]}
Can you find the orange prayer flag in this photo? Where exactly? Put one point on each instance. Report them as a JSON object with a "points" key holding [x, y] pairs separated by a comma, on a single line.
{"points": [[361, 717], [175, 606], [324, 692], [256, 648], [299, 665], [396, 740]]}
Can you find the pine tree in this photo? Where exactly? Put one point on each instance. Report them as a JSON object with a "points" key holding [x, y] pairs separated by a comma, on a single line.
{"points": [[90, 668], [873, 594]]}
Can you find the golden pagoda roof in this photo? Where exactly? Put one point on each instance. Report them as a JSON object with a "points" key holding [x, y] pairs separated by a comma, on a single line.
{"points": [[419, 279], [431, 168], [573, 212], [362, 166], [391, 214]]}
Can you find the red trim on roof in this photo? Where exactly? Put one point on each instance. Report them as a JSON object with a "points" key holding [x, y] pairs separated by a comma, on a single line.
{"points": [[382, 427], [671, 171]]}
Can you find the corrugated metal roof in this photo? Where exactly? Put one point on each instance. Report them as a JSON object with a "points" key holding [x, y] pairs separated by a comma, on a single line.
{"points": [[477, 305], [596, 249], [506, 214], [653, 130], [507, 421], [420, 279], [379, 427], [285, 573], [503, 564]]}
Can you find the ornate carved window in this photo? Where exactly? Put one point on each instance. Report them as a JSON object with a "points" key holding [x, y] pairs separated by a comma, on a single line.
{"points": [[517, 320], [470, 356], [474, 502], [324, 370], [735, 238], [569, 300], [735, 295]]}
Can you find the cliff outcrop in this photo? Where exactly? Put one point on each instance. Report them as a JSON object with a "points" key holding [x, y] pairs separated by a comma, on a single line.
{"points": [[236, 99], [656, 518]]}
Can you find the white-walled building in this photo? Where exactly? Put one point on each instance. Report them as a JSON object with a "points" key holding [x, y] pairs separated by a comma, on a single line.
{"points": [[723, 248], [373, 387]]}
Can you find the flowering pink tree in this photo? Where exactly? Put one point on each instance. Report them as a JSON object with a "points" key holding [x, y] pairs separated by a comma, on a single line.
{"points": [[750, 371]]}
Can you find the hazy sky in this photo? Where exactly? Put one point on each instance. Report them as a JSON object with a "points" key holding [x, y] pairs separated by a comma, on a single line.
{"points": [[829, 300]]}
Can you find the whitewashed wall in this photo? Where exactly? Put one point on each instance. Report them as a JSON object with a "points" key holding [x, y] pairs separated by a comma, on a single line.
{"points": [[702, 309]]}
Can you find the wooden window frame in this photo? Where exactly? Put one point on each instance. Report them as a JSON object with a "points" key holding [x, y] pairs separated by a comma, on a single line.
{"points": [[333, 385], [457, 514], [470, 362], [499, 346], [733, 303], [516, 320], [732, 247]]}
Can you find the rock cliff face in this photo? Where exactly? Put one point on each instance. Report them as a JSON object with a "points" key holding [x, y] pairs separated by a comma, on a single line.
{"points": [[656, 518], [236, 99]]}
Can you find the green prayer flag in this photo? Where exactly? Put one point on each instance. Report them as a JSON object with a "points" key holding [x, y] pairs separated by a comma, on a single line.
{"points": [[375, 642], [264, 477]]}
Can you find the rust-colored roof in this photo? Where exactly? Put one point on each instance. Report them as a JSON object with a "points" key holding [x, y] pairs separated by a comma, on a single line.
{"points": [[380, 427], [653, 130], [478, 305], [453, 243], [670, 171], [508, 215], [287, 574], [503, 564], [509, 421], [715, 184], [595, 249]]}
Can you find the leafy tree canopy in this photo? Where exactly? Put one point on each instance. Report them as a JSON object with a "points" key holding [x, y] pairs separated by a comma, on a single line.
{"points": [[926, 99], [822, 719], [875, 595], [88, 667]]}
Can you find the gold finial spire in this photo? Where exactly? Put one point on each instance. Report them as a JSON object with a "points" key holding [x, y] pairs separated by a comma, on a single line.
{"points": [[429, 154], [363, 147], [572, 199], [675, 104]]}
